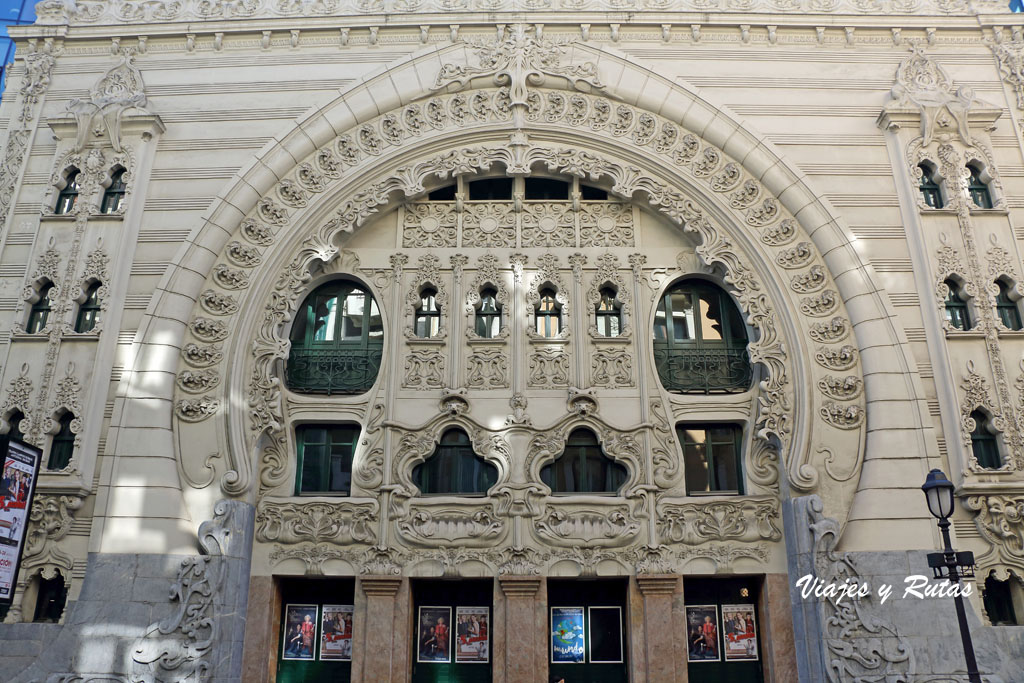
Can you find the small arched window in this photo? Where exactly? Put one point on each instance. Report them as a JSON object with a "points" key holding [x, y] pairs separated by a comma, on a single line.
{"points": [[583, 467], [63, 445], [983, 442], [428, 315], [337, 341], [978, 188], [1009, 312], [700, 341], [454, 468], [956, 307], [609, 314], [14, 432], [40, 312], [68, 194], [488, 315], [548, 314], [325, 458], [113, 196], [51, 598], [930, 190], [998, 599], [89, 310]]}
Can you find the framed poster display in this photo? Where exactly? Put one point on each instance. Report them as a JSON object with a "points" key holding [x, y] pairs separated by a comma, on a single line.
{"points": [[18, 475], [702, 633], [299, 632], [433, 636], [567, 635], [604, 637], [740, 644], [336, 633], [472, 635]]}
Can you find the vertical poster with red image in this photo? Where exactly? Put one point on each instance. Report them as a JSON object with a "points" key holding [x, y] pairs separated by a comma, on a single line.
{"points": [[336, 633], [472, 635], [740, 633], [17, 487]]}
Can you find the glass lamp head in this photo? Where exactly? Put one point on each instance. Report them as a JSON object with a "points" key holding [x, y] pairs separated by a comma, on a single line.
{"points": [[938, 491]]}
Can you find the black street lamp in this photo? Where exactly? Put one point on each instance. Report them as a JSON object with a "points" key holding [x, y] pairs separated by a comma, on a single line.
{"points": [[949, 564]]}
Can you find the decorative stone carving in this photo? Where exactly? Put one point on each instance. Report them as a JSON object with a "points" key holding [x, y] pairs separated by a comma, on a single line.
{"points": [[209, 330], [10, 169], [445, 526], [833, 331], [202, 356], [487, 225], [487, 370], [428, 275], [430, 225], [315, 522], [575, 527], [19, 398], [196, 409], [746, 519], [923, 85], [842, 358], [548, 224], [67, 399], [518, 561], [424, 369], [843, 417], [218, 304], [1000, 521], [198, 381], [488, 275], [549, 367], [606, 224], [230, 278], [35, 82], [612, 368], [313, 556], [723, 556], [548, 274], [119, 92], [50, 521], [1010, 56]]}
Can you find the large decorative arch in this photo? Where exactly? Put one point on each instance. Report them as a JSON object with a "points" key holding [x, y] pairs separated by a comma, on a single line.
{"points": [[576, 110]]}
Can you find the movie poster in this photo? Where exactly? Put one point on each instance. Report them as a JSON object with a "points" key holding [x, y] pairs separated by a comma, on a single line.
{"points": [[740, 633], [336, 633], [299, 632], [702, 633], [567, 643], [472, 635], [17, 484], [434, 638]]}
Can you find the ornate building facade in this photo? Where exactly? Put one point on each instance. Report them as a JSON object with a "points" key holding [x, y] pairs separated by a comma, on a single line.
{"points": [[455, 327]]}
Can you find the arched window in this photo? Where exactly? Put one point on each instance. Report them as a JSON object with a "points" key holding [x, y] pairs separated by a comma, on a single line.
{"points": [[1007, 308], [51, 597], [325, 458], [69, 193], [998, 599], [956, 307], [929, 188], [428, 315], [700, 341], [337, 341], [15, 426], [488, 315], [978, 188], [114, 194], [549, 314], [583, 467], [40, 312], [454, 468], [609, 314], [89, 309], [63, 445], [711, 458], [983, 443]]}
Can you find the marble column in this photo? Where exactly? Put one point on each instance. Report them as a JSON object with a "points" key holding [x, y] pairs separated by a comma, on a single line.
{"points": [[382, 639], [263, 627], [660, 629], [777, 637], [523, 662]]}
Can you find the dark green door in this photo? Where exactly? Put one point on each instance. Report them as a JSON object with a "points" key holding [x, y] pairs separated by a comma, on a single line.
{"points": [[304, 654], [591, 613], [452, 630], [723, 630]]}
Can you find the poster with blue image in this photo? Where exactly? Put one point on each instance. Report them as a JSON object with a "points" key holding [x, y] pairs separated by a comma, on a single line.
{"points": [[567, 637]]}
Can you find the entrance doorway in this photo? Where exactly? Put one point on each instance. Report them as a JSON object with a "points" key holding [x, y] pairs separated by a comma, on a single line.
{"points": [[452, 622], [586, 626], [315, 640], [723, 630]]}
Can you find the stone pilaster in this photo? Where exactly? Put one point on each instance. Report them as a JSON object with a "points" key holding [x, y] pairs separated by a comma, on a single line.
{"points": [[380, 639], [524, 660], [658, 591]]}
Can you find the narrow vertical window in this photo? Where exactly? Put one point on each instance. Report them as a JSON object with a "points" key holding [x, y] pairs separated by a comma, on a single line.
{"points": [[89, 310], [1007, 308], [983, 443], [609, 314], [428, 315], [488, 315], [40, 312], [325, 458], [68, 194], [15, 426], [930, 190], [711, 458], [549, 314], [978, 188], [956, 307], [113, 196], [63, 445], [998, 598], [51, 597]]}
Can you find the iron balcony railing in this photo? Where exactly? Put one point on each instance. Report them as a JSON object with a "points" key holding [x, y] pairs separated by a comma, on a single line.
{"points": [[704, 370], [333, 370]]}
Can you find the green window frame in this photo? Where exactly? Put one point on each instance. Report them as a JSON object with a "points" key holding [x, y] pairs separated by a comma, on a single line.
{"points": [[957, 313], [40, 311], [711, 458], [548, 314], [337, 341], [981, 196], [113, 195], [89, 310], [454, 468], [428, 315], [930, 190], [68, 195], [63, 445], [984, 444], [488, 315], [700, 341], [324, 458], [609, 314], [583, 467], [1006, 308]]}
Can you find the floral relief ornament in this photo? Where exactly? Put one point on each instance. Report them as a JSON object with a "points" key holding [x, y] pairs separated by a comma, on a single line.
{"points": [[119, 92]]}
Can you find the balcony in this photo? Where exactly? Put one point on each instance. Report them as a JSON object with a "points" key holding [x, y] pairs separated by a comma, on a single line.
{"points": [[703, 370], [333, 370]]}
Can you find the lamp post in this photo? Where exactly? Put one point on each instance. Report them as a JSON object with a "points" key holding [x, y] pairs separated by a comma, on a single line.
{"points": [[949, 564]]}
